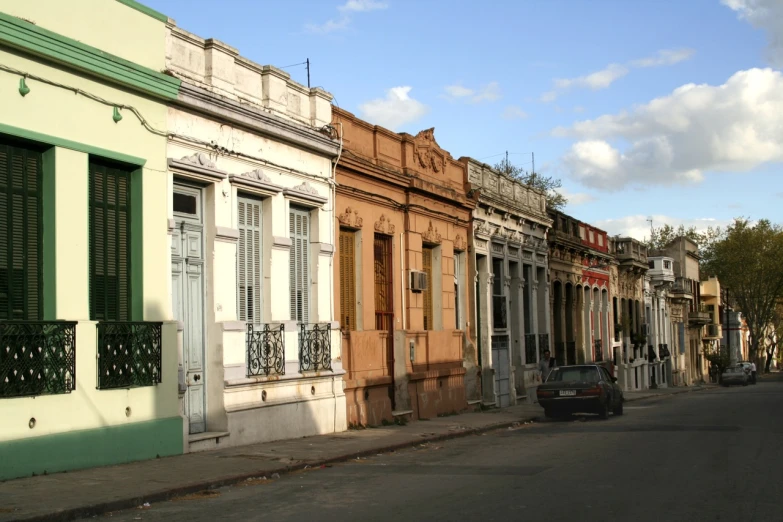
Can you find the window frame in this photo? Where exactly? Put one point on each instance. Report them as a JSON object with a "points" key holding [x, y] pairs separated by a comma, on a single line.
{"points": [[302, 272], [258, 317]]}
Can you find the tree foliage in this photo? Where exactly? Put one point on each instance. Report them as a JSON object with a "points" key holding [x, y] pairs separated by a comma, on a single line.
{"points": [[665, 234], [546, 184], [748, 260], [719, 359]]}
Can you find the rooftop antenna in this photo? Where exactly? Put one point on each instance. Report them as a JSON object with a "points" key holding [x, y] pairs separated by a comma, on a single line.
{"points": [[307, 64]]}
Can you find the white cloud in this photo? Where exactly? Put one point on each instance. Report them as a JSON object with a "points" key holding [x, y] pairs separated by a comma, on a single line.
{"points": [[604, 78], [765, 15], [514, 112], [676, 138], [576, 198], [330, 26], [638, 226], [395, 110], [362, 5], [579, 108], [665, 57], [487, 93]]}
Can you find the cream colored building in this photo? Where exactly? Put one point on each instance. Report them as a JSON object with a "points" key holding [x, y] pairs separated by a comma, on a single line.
{"points": [[88, 347], [251, 228]]}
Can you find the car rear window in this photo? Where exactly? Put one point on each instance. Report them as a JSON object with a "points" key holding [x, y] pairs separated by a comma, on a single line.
{"points": [[574, 375]]}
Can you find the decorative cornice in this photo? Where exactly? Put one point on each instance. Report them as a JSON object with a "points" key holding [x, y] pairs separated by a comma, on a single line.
{"points": [[30, 38], [255, 179], [384, 226], [305, 192], [200, 164], [350, 218], [431, 235], [226, 234]]}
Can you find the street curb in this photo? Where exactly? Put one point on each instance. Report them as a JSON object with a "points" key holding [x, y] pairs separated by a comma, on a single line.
{"points": [[663, 395], [168, 494]]}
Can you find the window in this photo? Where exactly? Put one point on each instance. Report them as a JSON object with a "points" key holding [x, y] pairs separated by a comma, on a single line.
{"points": [[384, 302], [21, 283], [651, 264], [667, 265], [299, 273], [347, 279], [110, 281], [600, 240], [185, 204], [581, 232], [458, 277], [249, 270], [426, 261], [498, 295], [592, 236]]}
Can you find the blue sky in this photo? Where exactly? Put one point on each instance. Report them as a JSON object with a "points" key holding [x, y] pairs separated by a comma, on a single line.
{"points": [[651, 108]]}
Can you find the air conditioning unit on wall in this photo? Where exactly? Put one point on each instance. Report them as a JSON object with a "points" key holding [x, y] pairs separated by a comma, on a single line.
{"points": [[418, 281]]}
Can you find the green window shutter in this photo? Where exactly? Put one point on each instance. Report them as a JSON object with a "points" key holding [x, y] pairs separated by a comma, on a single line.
{"points": [[110, 288], [21, 233], [249, 261], [299, 273]]}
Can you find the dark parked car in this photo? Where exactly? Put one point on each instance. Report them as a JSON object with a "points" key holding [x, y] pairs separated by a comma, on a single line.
{"points": [[585, 388]]}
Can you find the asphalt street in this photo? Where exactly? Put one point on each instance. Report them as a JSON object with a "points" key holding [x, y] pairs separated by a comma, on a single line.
{"points": [[710, 455]]}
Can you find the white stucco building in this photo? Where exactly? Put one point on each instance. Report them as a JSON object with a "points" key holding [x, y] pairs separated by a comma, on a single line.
{"points": [[251, 223]]}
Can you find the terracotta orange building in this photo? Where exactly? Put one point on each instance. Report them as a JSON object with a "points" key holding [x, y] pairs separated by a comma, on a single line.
{"points": [[400, 272]]}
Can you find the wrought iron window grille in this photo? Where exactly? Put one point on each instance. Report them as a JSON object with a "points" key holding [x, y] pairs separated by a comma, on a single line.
{"points": [[315, 347], [37, 358], [543, 344], [530, 348], [129, 354], [265, 350]]}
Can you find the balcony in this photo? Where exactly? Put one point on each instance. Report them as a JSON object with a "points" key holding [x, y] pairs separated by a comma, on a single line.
{"points": [[37, 358], [682, 288], [129, 354], [631, 254], [315, 347], [699, 319], [661, 270], [265, 350], [712, 331]]}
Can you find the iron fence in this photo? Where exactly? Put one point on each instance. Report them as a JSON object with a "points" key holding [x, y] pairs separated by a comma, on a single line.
{"points": [[37, 358], [315, 347], [530, 349], [265, 350], [129, 354]]}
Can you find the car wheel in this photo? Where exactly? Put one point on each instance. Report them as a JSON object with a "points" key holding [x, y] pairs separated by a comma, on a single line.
{"points": [[603, 411], [618, 410]]}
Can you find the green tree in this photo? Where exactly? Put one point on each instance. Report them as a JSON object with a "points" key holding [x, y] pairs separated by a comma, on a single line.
{"points": [[748, 260], [546, 184], [719, 359]]}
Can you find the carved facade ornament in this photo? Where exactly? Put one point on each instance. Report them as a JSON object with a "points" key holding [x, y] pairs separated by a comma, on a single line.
{"points": [[351, 218], [427, 152], [306, 188], [257, 175], [384, 226], [200, 159], [431, 235], [481, 227], [459, 243]]}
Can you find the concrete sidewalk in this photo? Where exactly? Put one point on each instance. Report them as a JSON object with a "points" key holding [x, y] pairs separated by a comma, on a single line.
{"points": [[665, 392], [83, 493]]}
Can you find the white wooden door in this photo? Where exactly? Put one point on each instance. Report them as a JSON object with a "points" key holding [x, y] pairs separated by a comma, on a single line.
{"points": [[187, 273]]}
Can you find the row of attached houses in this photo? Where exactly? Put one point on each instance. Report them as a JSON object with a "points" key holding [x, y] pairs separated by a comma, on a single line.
{"points": [[196, 251]]}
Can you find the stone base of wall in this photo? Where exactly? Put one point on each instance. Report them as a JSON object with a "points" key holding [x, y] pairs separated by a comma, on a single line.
{"points": [[367, 402], [437, 392], [290, 408], [527, 380], [91, 448]]}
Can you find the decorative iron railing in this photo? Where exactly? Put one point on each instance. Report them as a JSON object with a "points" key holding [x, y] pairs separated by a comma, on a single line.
{"points": [[499, 313], [663, 350], [37, 358], [599, 350], [543, 344], [530, 349], [570, 352], [315, 347], [560, 353], [129, 354], [265, 350], [651, 355]]}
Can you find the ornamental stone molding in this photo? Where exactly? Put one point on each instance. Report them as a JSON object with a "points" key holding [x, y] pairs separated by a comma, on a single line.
{"points": [[384, 226], [199, 159], [198, 165], [350, 218], [305, 192], [257, 175], [431, 235], [256, 179], [459, 243]]}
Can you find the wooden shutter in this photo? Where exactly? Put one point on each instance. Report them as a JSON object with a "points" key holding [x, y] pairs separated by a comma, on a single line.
{"points": [[426, 259], [347, 279], [249, 261], [299, 273], [21, 232], [110, 286]]}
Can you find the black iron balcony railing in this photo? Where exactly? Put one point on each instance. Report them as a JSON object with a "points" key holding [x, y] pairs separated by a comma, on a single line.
{"points": [[599, 350], [571, 352], [37, 358], [560, 353], [315, 347], [129, 354], [543, 344], [265, 350], [663, 351], [651, 355], [530, 348], [499, 315]]}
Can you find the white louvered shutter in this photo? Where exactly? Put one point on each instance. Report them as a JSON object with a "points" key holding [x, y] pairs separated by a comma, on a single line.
{"points": [[249, 261], [299, 273]]}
